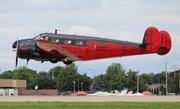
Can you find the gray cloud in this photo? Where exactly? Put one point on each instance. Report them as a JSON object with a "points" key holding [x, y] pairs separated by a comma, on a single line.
{"points": [[126, 20]]}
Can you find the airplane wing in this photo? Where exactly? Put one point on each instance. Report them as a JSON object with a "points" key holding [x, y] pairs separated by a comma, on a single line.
{"points": [[52, 48]]}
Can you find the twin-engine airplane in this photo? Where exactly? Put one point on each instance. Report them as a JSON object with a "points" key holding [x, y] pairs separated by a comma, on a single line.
{"points": [[55, 47]]}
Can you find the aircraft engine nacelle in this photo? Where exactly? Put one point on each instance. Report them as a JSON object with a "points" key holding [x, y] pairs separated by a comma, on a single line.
{"points": [[26, 48]]}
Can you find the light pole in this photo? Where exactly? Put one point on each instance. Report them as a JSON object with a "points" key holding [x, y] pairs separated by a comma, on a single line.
{"points": [[166, 77], [174, 68], [78, 81], [159, 86], [94, 72], [138, 82], [147, 86], [74, 86], [36, 80], [81, 86], [179, 82]]}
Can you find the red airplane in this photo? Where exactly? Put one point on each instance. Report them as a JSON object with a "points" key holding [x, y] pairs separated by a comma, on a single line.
{"points": [[55, 47]]}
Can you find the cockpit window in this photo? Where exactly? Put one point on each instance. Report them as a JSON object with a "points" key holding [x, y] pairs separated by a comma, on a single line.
{"points": [[44, 37], [36, 37], [40, 37]]}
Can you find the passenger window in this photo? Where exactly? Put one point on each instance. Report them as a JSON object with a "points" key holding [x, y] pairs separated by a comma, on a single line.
{"points": [[67, 41], [79, 42], [55, 40]]}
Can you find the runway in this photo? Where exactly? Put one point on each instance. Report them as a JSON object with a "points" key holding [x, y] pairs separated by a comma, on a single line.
{"points": [[90, 98]]}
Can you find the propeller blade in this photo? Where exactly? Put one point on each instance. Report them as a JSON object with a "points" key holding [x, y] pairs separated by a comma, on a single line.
{"points": [[16, 53], [27, 61], [16, 61]]}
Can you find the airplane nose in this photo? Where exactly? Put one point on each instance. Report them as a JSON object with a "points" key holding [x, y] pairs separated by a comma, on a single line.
{"points": [[14, 44]]}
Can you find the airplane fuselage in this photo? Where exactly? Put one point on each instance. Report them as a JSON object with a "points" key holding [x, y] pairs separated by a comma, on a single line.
{"points": [[55, 47]]}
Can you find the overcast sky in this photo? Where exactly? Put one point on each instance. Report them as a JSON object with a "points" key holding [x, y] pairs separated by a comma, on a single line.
{"points": [[115, 19]]}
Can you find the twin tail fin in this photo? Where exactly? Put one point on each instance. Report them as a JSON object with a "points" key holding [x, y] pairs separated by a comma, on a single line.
{"points": [[156, 41]]}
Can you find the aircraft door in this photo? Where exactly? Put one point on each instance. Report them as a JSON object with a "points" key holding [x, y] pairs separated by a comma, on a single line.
{"points": [[90, 51]]}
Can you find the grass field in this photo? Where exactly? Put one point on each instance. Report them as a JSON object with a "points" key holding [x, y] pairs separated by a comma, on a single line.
{"points": [[89, 105]]}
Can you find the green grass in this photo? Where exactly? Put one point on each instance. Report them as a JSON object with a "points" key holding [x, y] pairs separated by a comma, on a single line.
{"points": [[89, 105]]}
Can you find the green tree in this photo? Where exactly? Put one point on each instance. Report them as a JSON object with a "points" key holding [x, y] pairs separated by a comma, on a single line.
{"points": [[142, 84], [173, 84], [85, 82], [132, 80], [98, 84], [147, 78], [65, 79], [113, 73], [27, 74], [43, 73], [103, 78], [54, 72], [159, 77], [6, 75], [44, 82], [119, 81]]}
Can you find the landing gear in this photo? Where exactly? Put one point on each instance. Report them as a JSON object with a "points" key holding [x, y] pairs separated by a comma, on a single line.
{"points": [[67, 62], [54, 60]]}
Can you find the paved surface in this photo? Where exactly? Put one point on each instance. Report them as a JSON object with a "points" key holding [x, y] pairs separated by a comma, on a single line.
{"points": [[90, 98]]}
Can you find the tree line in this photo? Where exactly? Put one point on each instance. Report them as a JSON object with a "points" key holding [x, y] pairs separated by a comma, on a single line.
{"points": [[115, 78]]}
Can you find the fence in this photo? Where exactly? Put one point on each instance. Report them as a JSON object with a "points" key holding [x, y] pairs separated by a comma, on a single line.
{"points": [[38, 92]]}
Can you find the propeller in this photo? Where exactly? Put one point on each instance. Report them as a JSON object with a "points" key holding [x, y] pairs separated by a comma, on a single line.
{"points": [[27, 61], [16, 53]]}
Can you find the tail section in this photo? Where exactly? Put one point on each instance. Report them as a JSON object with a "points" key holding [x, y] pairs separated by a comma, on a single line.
{"points": [[130, 92], [123, 92], [165, 43], [156, 41]]}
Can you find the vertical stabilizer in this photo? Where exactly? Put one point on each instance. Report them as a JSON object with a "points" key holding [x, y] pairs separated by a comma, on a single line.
{"points": [[156, 41]]}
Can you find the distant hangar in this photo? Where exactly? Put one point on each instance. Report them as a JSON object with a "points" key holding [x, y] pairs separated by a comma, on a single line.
{"points": [[10, 87]]}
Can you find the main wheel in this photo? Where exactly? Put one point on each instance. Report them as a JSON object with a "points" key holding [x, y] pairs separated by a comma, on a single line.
{"points": [[54, 60]]}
